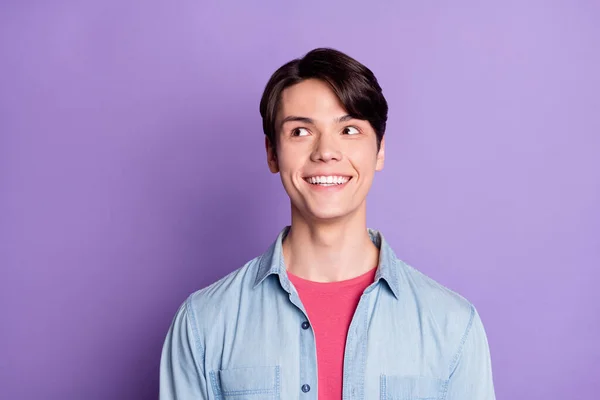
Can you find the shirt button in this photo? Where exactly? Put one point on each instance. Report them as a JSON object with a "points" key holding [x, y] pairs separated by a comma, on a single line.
{"points": [[305, 325], [305, 388]]}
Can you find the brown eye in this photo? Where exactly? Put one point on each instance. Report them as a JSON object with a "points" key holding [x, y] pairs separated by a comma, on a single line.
{"points": [[300, 132], [350, 130]]}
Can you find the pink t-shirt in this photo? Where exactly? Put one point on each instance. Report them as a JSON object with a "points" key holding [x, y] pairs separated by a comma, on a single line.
{"points": [[330, 307]]}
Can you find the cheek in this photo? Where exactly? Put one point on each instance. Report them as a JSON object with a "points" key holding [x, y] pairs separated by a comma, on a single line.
{"points": [[285, 165], [364, 159], [288, 168], [290, 159]]}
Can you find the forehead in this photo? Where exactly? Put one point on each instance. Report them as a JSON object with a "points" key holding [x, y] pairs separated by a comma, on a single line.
{"points": [[310, 98]]}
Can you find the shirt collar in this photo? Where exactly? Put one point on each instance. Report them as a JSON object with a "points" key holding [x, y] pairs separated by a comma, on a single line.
{"points": [[271, 262]]}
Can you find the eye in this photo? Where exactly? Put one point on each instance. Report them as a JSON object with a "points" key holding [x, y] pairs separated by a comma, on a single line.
{"points": [[300, 132], [350, 130]]}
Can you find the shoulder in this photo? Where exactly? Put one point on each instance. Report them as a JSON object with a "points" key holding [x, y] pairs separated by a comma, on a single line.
{"points": [[213, 299], [205, 310], [452, 317], [448, 311], [434, 293]]}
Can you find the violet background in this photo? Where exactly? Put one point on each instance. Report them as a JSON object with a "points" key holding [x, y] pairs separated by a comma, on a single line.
{"points": [[132, 172]]}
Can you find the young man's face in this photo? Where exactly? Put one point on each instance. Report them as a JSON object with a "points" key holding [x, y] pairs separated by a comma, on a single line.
{"points": [[326, 159]]}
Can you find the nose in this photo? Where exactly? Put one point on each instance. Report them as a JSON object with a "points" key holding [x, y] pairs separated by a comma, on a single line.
{"points": [[326, 149]]}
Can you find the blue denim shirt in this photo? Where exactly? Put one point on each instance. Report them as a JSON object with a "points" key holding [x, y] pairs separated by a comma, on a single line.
{"points": [[248, 336]]}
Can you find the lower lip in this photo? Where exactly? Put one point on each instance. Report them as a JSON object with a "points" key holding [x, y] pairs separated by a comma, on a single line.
{"points": [[331, 188]]}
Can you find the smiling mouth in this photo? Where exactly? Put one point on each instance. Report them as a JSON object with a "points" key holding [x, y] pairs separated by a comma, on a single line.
{"points": [[327, 180]]}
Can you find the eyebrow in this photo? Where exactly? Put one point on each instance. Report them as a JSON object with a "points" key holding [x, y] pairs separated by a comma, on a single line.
{"points": [[310, 121]]}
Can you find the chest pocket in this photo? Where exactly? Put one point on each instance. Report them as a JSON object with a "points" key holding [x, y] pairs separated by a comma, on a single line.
{"points": [[396, 387], [248, 383]]}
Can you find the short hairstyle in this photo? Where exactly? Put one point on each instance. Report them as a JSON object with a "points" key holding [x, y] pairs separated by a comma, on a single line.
{"points": [[354, 84]]}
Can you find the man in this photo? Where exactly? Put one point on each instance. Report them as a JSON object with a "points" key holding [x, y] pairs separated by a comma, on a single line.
{"points": [[328, 311]]}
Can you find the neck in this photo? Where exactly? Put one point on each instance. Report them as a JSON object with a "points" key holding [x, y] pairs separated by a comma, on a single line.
{"points": [[329, 251]]}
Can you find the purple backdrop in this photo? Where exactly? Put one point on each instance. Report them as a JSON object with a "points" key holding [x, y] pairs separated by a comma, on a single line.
{"points": [[132, 172]]}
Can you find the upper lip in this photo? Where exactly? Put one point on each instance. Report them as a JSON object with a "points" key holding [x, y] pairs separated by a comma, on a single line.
{"points": [[327, 174]]}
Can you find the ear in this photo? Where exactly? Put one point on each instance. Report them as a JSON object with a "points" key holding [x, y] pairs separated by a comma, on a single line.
{"points": [[271, 156], [380, 155]]}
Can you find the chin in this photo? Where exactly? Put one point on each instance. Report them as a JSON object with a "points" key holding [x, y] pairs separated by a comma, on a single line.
{"points": [[330, 214], [324, 211]]}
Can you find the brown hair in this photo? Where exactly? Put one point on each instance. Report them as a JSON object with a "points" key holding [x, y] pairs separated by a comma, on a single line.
{"points": [[353, 83]]}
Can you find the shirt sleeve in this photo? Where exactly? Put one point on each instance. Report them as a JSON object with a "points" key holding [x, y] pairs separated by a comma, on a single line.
{"points": [[471, 377], [181, 364]]}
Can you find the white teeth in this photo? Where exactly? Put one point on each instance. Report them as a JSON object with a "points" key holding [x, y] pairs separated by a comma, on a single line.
{"points": [[328, 180]]}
